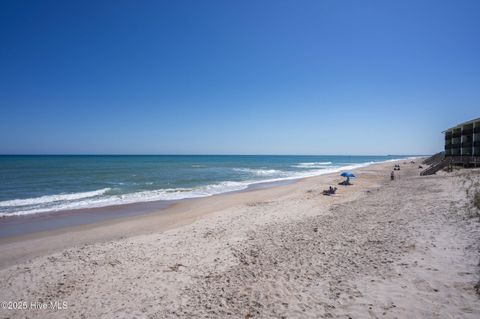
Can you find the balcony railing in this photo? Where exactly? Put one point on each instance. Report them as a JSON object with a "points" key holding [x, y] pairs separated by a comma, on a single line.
{"points": [[457, 145], [467, 132], [456, 134], [476, 129], [456, 159]]}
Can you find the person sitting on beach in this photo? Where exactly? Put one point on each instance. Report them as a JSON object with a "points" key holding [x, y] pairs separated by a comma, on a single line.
{"points": [[330, 191]]}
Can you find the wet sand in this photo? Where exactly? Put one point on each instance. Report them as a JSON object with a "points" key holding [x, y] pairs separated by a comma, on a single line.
{"points": [[402, 249], [14, 227]]}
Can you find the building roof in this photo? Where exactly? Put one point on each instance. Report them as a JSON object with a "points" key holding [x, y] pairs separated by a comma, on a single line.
{"points": [[462, 124]]}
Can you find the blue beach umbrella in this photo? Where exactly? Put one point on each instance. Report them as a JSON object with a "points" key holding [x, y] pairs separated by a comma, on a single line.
{"points": [[347, 174]]}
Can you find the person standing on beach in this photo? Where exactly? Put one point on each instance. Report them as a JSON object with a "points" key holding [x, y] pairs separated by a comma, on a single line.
{"points": [[392, 176]]}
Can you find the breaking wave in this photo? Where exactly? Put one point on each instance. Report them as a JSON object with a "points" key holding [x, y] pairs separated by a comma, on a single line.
{"points": [[105, 197]]}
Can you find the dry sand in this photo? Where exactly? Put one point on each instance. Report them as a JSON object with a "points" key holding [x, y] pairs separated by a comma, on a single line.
{"points": [[402, 249]]}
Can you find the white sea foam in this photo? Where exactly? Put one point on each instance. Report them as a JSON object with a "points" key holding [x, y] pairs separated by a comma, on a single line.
{"points": [[93, 199], [52, 198], [311, 165], [261, 172], [145, 196]]}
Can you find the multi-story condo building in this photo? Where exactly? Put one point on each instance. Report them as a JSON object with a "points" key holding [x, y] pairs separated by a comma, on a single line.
{"points": [[462, 143]]}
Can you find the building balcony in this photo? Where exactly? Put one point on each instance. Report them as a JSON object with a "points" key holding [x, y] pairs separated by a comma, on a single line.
{"points": [[476, 143], [457, 145], [467, 145], [454, 135], [467, 132], [476, 129], [464, 159]]}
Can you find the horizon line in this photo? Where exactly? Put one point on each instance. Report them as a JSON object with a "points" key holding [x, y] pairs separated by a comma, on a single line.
{"points": [[186, 154]]}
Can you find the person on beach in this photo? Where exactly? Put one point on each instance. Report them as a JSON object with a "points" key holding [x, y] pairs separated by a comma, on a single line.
{"points": [[392, 176], [330, 191]]}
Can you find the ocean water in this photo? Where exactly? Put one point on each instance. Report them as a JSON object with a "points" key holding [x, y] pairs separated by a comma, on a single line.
{"points": [[40, 184]]}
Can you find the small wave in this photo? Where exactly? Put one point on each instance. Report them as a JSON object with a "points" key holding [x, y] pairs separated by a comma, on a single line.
{"points": [[52, 198], [144, 196], [312, 165], [260, 172], [92, 199]]}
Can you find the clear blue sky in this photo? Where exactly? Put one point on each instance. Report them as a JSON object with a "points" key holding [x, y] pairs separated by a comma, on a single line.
{"points": [[236, 77]]}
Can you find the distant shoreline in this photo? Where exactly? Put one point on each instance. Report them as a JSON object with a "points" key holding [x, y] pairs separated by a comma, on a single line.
{"points": [[99, 224], [111, 191], [21, 225]]}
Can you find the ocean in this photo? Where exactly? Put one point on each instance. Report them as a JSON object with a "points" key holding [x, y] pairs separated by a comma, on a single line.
{"points": [[42, 184]]}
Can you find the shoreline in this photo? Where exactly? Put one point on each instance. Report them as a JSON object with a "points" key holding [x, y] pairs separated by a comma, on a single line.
{"points": [[26, 224], [156, 219], [20, 225], [245, 186]]}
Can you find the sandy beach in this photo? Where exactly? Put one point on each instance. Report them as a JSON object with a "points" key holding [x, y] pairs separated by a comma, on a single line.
{"points": [[407, 248]]}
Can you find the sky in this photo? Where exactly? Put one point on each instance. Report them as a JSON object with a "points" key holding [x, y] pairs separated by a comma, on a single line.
{"points": [[236, 77]]}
